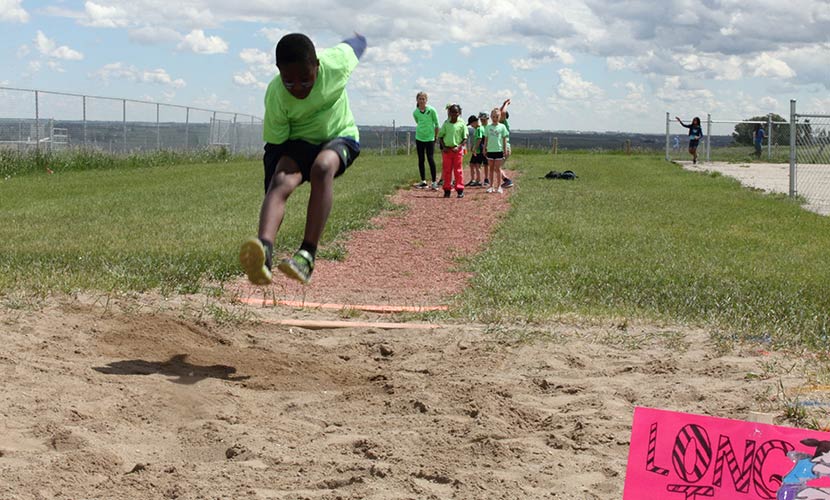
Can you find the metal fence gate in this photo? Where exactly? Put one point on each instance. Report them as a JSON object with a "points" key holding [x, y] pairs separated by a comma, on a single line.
{"points": [[810, 156]]}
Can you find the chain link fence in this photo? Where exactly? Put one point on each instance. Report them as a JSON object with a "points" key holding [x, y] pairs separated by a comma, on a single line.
{"points": [[810, 157], [42, 120], [730, 140]]}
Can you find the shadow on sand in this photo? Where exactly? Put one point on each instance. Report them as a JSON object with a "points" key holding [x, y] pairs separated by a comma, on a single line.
{"points": [[176, 367]]}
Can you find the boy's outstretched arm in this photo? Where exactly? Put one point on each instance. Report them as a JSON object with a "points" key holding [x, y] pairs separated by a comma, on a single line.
{"points": [[358, 44]]}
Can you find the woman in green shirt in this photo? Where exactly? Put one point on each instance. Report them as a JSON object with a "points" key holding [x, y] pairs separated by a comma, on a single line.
{"points": [[426, 131]]}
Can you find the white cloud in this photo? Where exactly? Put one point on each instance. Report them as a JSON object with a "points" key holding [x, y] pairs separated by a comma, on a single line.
{"points": [[11, 11], [259, 62], [247, 79], [123, 71], [770, 67], [23, 51], [197, 42], [105, 16], [49, 48], [572, 86]]}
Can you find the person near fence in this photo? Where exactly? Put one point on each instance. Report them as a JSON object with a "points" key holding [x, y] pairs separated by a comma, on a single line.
{"points": [[695, 134], [426, 133], [477, 158], [758, 139], [495, 144], [452, 138], [310, 135]]}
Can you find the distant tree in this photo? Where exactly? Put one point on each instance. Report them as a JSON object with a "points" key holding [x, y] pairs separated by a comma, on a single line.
{"points": [[780, 133]]}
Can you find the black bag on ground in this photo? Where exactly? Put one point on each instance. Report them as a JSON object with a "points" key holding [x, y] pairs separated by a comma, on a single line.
{"points": [[567, 175]]}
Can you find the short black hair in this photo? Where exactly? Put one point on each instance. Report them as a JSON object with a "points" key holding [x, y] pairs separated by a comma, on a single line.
{"points": [[295, 48]]}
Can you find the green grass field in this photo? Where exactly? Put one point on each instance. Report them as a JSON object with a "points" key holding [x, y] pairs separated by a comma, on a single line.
{"points": [[633, 237]]}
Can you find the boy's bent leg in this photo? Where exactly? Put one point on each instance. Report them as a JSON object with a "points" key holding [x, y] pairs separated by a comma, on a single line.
{"points": [[255, 253], [325, 167]]}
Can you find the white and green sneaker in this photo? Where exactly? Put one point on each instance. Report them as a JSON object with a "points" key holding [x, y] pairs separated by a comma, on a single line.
{"points": [[298, 267], [253, 259]]}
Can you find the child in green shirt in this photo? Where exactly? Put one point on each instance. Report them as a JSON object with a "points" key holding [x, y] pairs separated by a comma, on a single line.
{"points": [[310, 135], [452, 138]]}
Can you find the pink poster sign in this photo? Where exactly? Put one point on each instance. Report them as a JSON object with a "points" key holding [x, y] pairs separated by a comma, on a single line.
{"points": [[694, 457]]}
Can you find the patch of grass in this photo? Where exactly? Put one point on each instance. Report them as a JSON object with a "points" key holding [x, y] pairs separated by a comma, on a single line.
{"points": [[170, 228], [638, 237]]}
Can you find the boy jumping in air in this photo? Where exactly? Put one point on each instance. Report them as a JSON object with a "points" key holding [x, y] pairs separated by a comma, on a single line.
{"points": [[310, 135]]}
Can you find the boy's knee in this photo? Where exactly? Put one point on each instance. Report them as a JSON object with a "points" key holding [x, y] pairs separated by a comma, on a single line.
{"points": [[325, 166]]}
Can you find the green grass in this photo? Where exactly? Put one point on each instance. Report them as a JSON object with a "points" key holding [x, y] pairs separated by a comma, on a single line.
{"points": [[633, 237], [170, 228], [638, 237]]}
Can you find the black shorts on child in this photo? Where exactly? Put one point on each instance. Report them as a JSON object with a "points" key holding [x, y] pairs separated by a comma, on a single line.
{"points": [[495, 155], [304, 153], [478, 159]]}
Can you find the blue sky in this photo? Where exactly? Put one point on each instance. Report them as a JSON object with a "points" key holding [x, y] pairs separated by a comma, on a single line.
{"points": [[566, 65]]}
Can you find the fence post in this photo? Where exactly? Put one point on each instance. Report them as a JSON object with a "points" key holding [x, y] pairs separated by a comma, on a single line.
{"points": [[708, 136], [158, 129], [668, 122], [394, 144], [555, 145], [124, 124], [793, 152], [769, 136], [187, 129], [408, 144], [235, 135], [37, 122], [84, 105]]}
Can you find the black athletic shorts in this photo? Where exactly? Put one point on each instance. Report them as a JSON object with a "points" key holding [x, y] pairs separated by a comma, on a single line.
{"points": [[304, 153], [478, 159]]}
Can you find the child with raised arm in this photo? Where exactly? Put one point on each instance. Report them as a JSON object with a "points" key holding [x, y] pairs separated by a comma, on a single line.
{"points": [[426, 133], [452, 137], [695, 134], [495, 143], [310, 135]]}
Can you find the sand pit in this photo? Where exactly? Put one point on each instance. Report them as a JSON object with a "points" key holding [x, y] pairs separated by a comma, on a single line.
{"points": [[141, 398]]}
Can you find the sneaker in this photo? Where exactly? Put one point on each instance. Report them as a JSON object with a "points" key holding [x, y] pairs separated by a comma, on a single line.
{"points": [[434, 186], [469, 184], [475, 184], [298, 267], [499, 190], [420, 185], [486, 182], [489, 190], [446, 194], [441, 182], [507, 183], [254, 261], [461, 194]]}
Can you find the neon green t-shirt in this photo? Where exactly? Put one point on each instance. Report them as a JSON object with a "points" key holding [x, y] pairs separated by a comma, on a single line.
{"points": [[425, 123], [454, 134], [479, 136], [324, 114], [495, 134]]}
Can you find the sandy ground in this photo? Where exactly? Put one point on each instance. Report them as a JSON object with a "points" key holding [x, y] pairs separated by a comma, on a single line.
{"points": [[813, 180], [148, 398]]}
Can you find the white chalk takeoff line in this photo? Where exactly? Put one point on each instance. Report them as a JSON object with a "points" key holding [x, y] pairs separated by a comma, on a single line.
{"points": [[326, 324], [340, 307]]}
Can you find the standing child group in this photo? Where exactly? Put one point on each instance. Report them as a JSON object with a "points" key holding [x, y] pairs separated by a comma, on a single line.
{"points": [[489, 147]]}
